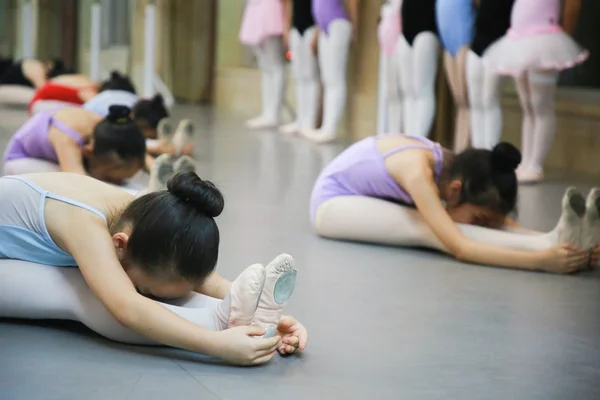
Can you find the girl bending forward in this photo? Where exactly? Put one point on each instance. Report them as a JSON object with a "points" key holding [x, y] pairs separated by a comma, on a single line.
{"points": [[76, 248], [407, 191]]}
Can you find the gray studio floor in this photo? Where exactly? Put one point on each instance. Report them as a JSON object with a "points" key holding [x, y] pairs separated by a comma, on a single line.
{"points": [[385, 323]]}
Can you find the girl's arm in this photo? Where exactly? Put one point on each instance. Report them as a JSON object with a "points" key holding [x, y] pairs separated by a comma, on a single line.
{"points": [[419, 182], [352, 8], [570, 15], [287, 22], [96, 257], [68, 152]]}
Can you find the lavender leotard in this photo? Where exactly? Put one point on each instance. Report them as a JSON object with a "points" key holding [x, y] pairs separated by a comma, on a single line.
{"points": [[360, 171], [327, 11], [31, 140]]}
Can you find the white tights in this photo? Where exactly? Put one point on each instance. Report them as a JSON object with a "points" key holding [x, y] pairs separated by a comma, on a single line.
{"points": [[334, 48], [306, 75], [35, 291], [394, 92], [537, 91], [484, 100], [418, 69], [270, 57], [366, 219]]}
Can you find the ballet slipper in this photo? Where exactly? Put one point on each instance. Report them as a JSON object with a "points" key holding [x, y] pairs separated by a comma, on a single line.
{"points": [[165, 130], [183, 136], [319, 136], [590, 235], [278, 288], [160, 173], [569, 228], [261, 123], [240, 304], [290, 129], [528, 177], [184, 164]]}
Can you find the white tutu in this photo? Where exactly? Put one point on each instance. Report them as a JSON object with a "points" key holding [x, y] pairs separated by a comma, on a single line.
{"points": [[555, 51]]}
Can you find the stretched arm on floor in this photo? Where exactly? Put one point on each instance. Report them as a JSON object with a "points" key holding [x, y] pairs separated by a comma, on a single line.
{"points": [[419, 182]]}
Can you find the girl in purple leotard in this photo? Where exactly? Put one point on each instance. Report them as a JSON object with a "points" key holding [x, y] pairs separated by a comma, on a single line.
{"points": [[405, 191]]}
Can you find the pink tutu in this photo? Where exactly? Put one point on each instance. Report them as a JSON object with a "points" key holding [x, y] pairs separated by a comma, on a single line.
{"points": [[552, 51], [262, 18], [390, 27]]}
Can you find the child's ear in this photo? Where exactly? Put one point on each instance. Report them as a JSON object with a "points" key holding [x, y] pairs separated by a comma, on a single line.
{"points": [[87, 149], [453, 192]]}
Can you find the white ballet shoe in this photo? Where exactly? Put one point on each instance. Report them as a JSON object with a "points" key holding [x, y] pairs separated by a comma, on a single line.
{"points": [[569, 228], [290, 129], [165, 130], [261, 123], [319, 136], [161, 171], [279, 285], [590, 235], [528, 177], [184, 164], [183, 136], [240, 305]]}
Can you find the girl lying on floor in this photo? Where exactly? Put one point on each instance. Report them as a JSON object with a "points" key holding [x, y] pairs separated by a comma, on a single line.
{"points": [[406, 191], [129, 252]]}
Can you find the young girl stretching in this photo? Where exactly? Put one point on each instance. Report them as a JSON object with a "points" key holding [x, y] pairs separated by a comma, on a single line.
{"points": [[161, 245], [369, 193], [76, 140]]}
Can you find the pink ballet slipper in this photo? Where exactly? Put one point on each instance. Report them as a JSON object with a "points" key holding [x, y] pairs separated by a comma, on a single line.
{"points": [[278, 288], [240, 305]]}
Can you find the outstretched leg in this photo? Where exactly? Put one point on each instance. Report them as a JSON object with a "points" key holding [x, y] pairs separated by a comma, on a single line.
{"points": [[366, 219], [34, 291]]}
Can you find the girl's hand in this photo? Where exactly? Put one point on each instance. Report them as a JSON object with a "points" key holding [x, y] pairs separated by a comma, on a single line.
{"points": [[240, 346], [563, 259], [293, 335], [595, 257]]}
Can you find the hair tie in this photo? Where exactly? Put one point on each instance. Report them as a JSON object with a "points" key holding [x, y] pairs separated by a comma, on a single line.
{"points": [[186, 199], [122, 120]]}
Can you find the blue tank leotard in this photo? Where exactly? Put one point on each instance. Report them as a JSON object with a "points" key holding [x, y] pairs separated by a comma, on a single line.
{"points": [[456, 21]]}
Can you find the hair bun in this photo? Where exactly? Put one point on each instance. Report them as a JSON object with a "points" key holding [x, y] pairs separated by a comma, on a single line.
{"points": [[158, 99], [505, 157], [115, 75], [119, 114], [202, 195]]}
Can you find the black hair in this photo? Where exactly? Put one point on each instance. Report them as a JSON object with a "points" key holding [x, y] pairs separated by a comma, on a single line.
{"points": [[150, 111], [118, 134], [488, 177], [57, 67], [174, 233], [117, 81]]}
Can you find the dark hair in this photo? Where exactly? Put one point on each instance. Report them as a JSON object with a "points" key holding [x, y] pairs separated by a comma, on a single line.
{"points": [[117, 81], [173, 231], [117, 133], [57, 67], [488, 177], [151, 111]]}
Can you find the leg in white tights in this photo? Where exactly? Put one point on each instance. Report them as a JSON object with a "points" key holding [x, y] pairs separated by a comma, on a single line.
{"points": [[537, 91], [393, 92], [425, 53], [269, 55], [524, 92], [366, 219], [35, 291], [484, 102], [306, 75], [29, 166], [405, 66], [334, 49]]}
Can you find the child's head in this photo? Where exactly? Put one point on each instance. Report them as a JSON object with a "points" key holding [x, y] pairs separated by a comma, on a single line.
{"points": [[148, 113], [116, 81], [482, 189], [57, 67], [168, 241], [118, 148]]}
